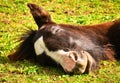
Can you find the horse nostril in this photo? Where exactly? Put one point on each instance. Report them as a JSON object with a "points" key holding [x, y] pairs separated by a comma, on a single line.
{"points": [[74, 56]]}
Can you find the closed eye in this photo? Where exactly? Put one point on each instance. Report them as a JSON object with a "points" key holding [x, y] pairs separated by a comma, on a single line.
{"points": [[56, 29], [66, 49]]}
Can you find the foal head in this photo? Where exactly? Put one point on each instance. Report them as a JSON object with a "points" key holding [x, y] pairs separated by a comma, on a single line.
{"points": [[62, 46]]}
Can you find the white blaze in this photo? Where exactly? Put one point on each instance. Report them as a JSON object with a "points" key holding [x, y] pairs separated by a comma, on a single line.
{"points": [[40, 47]]}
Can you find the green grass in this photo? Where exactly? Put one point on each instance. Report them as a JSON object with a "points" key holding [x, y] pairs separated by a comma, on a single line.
{"points": [[15, 18]]}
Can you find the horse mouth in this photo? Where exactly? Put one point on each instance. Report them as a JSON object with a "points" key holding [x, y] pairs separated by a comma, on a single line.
{"points": [[78, 63], [75, 63]]}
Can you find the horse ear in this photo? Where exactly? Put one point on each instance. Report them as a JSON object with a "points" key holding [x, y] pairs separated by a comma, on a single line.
{"points": [[40, 15]]}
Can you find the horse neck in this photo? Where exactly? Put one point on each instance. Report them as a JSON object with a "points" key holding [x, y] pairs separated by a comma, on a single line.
{"points": [[103, 28]]}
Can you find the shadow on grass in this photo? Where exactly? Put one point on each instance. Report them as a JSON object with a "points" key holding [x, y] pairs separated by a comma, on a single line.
{"points": [[4, 59], [118, 62], [26, 67]]}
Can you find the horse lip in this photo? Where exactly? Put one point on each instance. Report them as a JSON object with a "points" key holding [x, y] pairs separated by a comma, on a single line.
{"points": [[77, 69], [68, 65]]}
